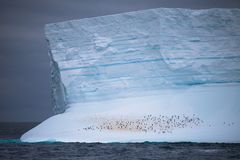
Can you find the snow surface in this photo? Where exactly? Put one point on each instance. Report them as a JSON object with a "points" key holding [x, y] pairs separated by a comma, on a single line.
{"points": [[152, 75], [219, 112]]}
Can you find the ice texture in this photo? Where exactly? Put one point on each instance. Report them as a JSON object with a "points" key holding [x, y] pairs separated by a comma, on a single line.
{"points": [[154, 75], [140, 53]]}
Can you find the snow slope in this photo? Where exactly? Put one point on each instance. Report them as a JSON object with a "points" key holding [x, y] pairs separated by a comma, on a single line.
{"points": [[152, 75]]}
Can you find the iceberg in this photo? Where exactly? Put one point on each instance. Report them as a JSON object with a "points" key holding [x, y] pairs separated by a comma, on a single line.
{"points": [[152, 75]]}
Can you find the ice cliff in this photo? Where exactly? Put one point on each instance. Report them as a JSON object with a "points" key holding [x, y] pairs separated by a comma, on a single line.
{"points": [[141, 52], [189, 59]]}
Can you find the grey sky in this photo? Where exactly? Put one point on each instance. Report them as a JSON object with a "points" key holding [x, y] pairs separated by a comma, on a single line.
{"points": [[24, 63]]}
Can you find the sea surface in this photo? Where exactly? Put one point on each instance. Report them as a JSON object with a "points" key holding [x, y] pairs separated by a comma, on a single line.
{"points": [[12, 149]]}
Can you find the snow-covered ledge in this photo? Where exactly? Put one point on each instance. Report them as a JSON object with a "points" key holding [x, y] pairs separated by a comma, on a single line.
{"points": [[152, 75]]}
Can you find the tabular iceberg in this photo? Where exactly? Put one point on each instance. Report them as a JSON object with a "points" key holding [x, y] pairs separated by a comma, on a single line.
{"points": [[152, 75]]}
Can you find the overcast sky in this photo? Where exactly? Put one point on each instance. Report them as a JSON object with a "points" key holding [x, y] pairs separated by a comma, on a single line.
{"points": [[24, 62]]}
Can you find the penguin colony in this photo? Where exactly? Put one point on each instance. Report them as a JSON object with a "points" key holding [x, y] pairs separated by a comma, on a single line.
{"points": [[148, 123]]}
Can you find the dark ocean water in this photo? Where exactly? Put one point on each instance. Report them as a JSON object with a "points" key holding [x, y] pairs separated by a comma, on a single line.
{"points": [[12, 148]]}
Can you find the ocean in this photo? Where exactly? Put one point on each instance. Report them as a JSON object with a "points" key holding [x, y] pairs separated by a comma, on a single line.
{"points": [[12, 149]]}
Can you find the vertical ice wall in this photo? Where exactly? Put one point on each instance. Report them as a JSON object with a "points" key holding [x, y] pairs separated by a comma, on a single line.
{"points": [[58, 91], [140, 53]]}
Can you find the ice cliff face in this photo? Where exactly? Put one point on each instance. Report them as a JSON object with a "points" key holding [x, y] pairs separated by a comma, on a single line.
{"points": [[140, 53]]}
